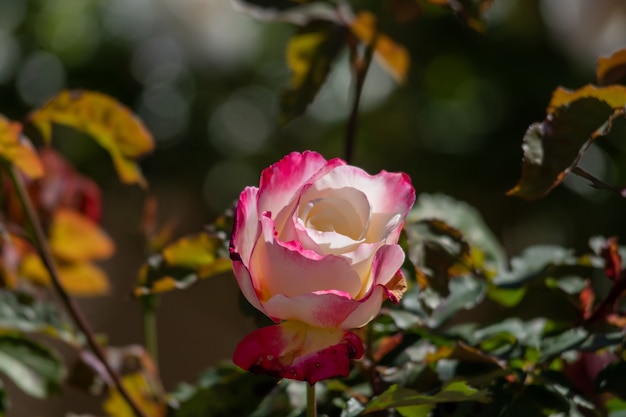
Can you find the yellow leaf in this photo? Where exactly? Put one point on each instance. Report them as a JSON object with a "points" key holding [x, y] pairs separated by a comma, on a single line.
{"points": [[614, 96], [110, 123], [80, 279], [194, 252], [16, 149], [393, 57], [145, 395], [74, 237]]}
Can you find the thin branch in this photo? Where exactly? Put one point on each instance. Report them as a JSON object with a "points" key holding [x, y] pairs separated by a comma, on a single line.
{"points": [[596, 183], [73, 309], [361, 66]]}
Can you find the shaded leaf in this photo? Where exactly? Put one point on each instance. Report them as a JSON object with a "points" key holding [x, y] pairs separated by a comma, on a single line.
{"points": [[79, 279], [35, 369], [553, 147], [611, 379], [229, 391], [111, 124], [182, 263], [16, 149], [395, 396], [76, 238], [612, 69], [466, 219], [393, 57], [310, 53]]}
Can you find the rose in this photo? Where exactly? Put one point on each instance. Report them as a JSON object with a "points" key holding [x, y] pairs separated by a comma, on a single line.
{"points": [[315, 246]]}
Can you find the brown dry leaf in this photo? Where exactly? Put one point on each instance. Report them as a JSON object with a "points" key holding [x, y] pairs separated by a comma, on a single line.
{"points": [[110, 123], [145, 394], [80, 279], [17, 149], [612, 69], [76, 238], [393, 57]]}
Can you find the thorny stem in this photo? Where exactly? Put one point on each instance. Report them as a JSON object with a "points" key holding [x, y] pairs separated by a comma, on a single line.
{"points": [[361, 66], [311, 402], [70, 305]]}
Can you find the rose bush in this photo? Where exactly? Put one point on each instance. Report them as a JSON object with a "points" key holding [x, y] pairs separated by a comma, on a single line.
{"points": [[315, 248]]}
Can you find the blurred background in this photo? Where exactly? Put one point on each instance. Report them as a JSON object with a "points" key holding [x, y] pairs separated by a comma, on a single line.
{"points": [[206, 82]]}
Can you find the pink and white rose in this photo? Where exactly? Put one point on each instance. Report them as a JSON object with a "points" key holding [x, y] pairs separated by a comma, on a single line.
{"points": [[314, 247]]}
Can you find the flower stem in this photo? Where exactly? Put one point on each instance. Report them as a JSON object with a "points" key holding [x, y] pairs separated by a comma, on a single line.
{"points": [[311, 403], [361, 66], [148, 308], [73, 309]]}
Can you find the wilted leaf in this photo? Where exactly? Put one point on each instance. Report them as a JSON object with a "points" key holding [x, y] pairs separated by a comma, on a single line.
{"points": [[110, 123], [16, 149], [80, 279], [553, 147], [76, 238], [614, 96], [142, 391], [182, 263], [393, 57], [456, 391], [310, 53], [612, 69], [30, 366]]}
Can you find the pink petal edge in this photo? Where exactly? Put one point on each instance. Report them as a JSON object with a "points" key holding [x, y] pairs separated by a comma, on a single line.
{"points": [[294, 350]]}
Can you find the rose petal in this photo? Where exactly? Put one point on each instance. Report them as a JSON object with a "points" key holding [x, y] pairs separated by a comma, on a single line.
{"points": [[246, 284], [296, 351], [281, 182], [387, 261], [387, 193], [246, 228], [288, 269], [320, 309]]}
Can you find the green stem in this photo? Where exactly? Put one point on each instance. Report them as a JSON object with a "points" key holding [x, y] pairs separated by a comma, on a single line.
{"points": [[311, 403], [73, 309], [361, 66], [148, 307]]}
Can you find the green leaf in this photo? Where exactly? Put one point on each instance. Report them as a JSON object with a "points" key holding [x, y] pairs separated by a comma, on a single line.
{"points": [[229, 391], [20, 312], [567, 340], [310, 53], [553, 147], [35, 369], [395, 396], [462, 217]]}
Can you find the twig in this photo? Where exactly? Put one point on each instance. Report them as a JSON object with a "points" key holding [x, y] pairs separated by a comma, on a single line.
{"points": [[68, 302], [361, 66], [596, 183]]}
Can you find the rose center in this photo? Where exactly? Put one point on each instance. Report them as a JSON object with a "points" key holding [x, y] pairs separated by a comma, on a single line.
{"points": [[344, 213]]}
